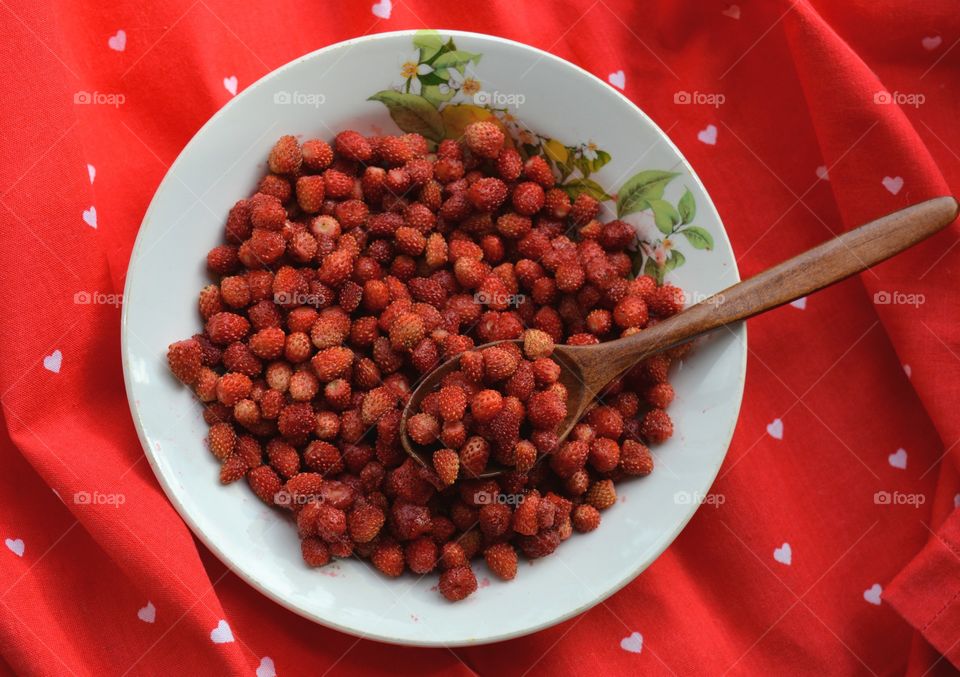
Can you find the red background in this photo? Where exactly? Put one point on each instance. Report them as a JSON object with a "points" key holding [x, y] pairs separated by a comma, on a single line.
{"points": [[852, 381]]}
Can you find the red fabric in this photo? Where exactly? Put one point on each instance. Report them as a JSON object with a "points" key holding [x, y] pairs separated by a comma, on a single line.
{"points": [[799, 81]]}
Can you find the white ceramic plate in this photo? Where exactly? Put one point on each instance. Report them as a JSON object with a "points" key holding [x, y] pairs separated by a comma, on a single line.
{"points": [[330, 90]]}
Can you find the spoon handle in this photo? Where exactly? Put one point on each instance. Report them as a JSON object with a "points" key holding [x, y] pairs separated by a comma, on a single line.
{"points": [[830, 262]]}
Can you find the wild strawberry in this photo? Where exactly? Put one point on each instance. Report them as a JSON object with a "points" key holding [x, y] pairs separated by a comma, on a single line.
{"points": [[267, 213], [636, 459], [364, 522], [484, 139], [264, 483], [410, 241], [332, 363], [545, 410], [569, 458], [457, 583], [556, 203], [421, 555], [283, 458], [666, 300], [525, 455], [659, 395], [606, 422], [296, 420], [406, 332], [536, 169], [310, 193], [376, 403], [487, 194], [323, 458], [353, 146], [486, 404], [452, 555], [285, 156], [599, 322], [498, 363], [233, 387], [584, 210], [540, 544], [315, 552], [317, 154], [232, 469], [268, 343], [630, 312], [337, 185], [604, 454], [509, 164], [225, 328], [423, 428], [222, 440], [601, 494], [185, 358], [586, 518], [545, 371], [452, 403], [656, 426], [474, 455], [447, 464], [297, 348]]}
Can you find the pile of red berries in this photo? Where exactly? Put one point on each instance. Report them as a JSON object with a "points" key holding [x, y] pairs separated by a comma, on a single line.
{"points": [[357, 268]]}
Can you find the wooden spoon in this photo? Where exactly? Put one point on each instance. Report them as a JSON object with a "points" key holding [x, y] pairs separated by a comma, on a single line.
{"points": [[586, 370]]}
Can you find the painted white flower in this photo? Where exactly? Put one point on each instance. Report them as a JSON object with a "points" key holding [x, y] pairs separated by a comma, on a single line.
{"points": [[590, 150], [646, 225], [410, 69]]}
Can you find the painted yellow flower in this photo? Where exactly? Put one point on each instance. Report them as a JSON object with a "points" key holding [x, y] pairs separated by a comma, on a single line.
{"points": [[470, 86]]}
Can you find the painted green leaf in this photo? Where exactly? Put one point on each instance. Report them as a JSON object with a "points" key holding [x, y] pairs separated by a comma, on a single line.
{"points": [[429, 42], [412, 113], [556, 151], [456, 59], [653, 270], [698, 237], [687, 207], [434, 78], [665, 214], [675, 260], [433, 94], [639, 189], [574, 187]]}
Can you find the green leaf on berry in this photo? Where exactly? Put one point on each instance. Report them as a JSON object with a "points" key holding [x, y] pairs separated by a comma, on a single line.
{"points": [[412, 113], [640, 189], [687, 207], [574, 187], [698, 237], [429, 42], [665, 215]]}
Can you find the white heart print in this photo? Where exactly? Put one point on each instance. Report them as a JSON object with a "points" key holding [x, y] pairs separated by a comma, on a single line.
{"points": [[91, 172], [53, 361], [931, 42], [618, 79], [16, 546], [222, 633], [708, 135], [872, 594], [230, 84], [633, 643], [784, 554], [907, 370], [118, 42], [147, 614], [893, 184], [822, 173], [800, 303], [90, 217], [266, 668], [733, 11], [898, 459], [382, 9], [775, 429]]}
